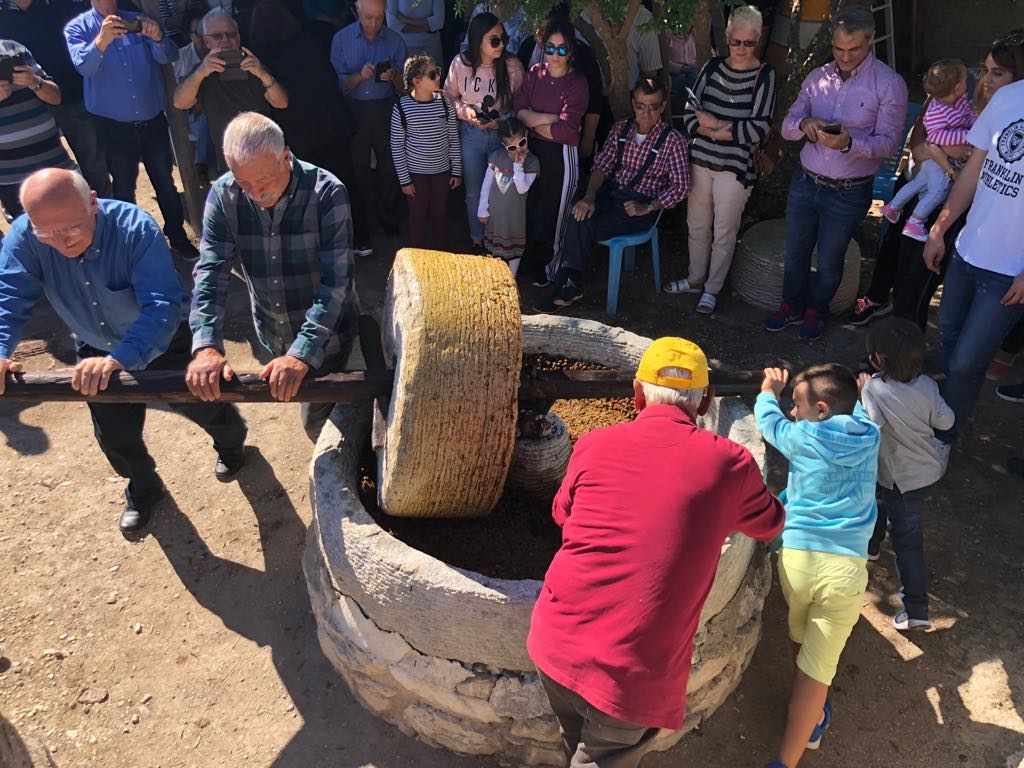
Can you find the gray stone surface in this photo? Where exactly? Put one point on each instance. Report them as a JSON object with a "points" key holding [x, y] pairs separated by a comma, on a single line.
{"points": [[440, 651]]}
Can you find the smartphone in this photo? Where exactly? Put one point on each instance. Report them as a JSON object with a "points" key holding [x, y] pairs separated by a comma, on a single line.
{"points": [[133, 25], [232, 58], [7, 65], [833, 128]]}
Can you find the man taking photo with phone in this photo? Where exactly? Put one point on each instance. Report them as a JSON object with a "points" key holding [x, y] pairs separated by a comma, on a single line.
{"points": [[229, 81]]}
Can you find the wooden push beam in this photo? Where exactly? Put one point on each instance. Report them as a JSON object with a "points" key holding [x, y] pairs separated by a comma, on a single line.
{"points": [[346, 387]]}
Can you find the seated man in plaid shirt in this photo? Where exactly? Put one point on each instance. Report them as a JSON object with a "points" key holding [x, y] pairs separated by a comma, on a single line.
{"points": [[642, 169], [287, 225]]}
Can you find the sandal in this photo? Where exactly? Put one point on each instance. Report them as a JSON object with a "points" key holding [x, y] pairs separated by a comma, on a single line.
{"points": [[707, 303], [681, 286]]}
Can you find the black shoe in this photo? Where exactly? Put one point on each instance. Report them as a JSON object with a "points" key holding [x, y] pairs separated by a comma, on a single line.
{"points": [[139, 509], [546, 302], [866, 310], [1011, 393], [229, 465], [568, 295], [1016, 466], [185, 249]]}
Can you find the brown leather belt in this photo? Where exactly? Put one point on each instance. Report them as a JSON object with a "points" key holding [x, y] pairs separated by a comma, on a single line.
{"points": [[840, 184]]}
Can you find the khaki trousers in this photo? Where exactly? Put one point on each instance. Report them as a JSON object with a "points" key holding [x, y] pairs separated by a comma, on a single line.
{"points": [[714, 211]]}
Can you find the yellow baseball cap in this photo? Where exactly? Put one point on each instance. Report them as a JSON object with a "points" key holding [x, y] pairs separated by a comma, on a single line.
{"points": [[673, 352]]}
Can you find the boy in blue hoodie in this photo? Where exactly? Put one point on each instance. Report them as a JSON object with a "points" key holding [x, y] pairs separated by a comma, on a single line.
{"points": [[832, 448]]}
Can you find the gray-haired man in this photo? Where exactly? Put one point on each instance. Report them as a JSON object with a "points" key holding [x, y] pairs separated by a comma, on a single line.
{"points": [[287, 225], [224, 87]]}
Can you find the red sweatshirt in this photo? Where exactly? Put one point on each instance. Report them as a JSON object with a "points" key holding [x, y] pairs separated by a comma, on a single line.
{"points": [[645, 507], [565, 96]]}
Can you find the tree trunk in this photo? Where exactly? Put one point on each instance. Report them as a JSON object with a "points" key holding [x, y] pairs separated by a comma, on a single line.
{"points": [[702, 31], [615, 40]]}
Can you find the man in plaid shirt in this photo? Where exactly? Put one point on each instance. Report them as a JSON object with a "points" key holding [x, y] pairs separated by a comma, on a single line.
{"points": [[642, 169], [288, 227]]}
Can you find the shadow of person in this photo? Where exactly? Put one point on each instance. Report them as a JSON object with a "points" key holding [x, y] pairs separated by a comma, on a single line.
{"points": [[15, 753], [26, 439], [271, 607]]}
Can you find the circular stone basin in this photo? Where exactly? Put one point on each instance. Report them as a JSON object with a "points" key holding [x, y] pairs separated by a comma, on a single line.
{"points": [[440, 651]]}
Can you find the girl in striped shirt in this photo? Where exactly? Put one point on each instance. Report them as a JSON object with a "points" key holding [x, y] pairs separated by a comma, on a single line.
{"points": [[425, 150], [947, 119]]}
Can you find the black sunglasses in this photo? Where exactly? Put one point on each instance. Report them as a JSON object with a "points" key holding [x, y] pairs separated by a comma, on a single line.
{"points": [[433, 74], [743, 43], [561, 50], [513, 148], [497, 41]]}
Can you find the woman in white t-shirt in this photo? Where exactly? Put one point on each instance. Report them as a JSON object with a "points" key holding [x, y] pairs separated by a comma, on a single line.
{"points": [[983, 296]]}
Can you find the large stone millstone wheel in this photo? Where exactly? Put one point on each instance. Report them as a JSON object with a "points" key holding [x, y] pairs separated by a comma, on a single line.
{"points": [[440, 652], [452, 333]]}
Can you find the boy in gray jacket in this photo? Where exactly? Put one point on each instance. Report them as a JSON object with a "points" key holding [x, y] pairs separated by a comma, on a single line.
{"points": [[910, 412]]}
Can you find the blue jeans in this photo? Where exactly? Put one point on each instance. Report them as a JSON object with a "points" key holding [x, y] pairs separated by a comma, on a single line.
{"points": [[903, 512], [826, 218], [972, 324], [930, 187], [477, 145]]}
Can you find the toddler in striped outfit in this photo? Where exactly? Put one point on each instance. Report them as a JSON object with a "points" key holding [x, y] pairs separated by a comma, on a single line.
{"points": [[947, 119]]}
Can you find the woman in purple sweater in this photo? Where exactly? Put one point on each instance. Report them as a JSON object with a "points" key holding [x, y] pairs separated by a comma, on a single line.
{"points": [[551, 104]]}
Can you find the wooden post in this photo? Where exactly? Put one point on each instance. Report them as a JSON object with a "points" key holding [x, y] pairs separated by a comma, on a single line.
{"points": [[184, 157], [345, 387]]}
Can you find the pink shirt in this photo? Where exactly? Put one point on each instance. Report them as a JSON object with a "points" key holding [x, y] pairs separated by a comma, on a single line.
{"points": [[644, 509], [948, 124], [871, 104], [466, 88]]}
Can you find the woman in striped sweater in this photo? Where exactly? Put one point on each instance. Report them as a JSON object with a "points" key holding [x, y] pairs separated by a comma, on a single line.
{"points": [[425, 151], [736, 97]]}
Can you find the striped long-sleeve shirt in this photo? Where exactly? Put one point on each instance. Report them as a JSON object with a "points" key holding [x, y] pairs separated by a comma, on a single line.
{"points": [[427, 142], [948, 124], [744, 98]]}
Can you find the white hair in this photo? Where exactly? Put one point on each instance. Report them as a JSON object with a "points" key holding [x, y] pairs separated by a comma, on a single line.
{"points": [[687, 399], [217, 13], [251, 135], [58, 179], [746, 16]]}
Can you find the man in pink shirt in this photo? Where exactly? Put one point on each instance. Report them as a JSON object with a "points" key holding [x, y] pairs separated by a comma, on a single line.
{"points": [[644, 509], [852, 113]]}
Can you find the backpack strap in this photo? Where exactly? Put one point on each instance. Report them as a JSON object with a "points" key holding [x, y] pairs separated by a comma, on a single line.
{"points": [[401, 113]]}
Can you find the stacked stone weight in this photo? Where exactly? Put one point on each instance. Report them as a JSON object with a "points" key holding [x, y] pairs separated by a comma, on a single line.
{"points": [[452, 331]]}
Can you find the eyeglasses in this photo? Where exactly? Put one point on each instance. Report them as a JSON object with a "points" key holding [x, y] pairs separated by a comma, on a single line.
{"points": [[561, 50], [59, 234], [744, 43], [497, 41], [218, 36], [513, 148]]}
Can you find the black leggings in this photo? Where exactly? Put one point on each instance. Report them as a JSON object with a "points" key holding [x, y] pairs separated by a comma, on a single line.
{"points": [[550, 199]]}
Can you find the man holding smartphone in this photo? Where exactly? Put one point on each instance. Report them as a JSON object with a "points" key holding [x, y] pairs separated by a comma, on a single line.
{"points": [[229, 81], [119, 55], [369, 59], [851, 113]]}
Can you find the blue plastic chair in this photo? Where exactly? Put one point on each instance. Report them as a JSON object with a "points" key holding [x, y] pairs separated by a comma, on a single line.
{"points": [[622, 255]]}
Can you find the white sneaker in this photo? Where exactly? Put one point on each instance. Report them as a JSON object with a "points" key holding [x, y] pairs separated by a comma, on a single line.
{"points": [[707, 303], [903, 622]]}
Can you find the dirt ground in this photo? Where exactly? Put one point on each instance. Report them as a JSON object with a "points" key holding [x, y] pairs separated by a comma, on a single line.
{"points": [[195, 647]]}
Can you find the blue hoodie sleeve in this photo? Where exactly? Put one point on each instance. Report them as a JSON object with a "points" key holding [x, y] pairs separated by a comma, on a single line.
{"points": [[779, 431]]}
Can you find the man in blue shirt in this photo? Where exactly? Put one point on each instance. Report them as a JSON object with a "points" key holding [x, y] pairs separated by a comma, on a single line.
{"points": [[106, 271], [124, 88], [369, 59]]}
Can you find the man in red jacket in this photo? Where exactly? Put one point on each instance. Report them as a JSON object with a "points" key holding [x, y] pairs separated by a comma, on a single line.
{"points": [[644, 509]]}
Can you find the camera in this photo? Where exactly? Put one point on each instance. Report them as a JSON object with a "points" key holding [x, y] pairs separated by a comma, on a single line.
{"points": [[380, 68], [132, 25], [7, 65], [232, 58], [487, 113]]}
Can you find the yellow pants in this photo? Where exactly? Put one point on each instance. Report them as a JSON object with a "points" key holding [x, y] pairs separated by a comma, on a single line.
{"points": [[824, 592]]}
